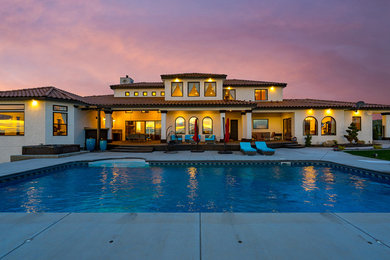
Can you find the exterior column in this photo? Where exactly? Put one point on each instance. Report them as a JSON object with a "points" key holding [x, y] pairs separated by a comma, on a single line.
{"points": [[98, 128], [222, 115], [163, 126], [386, 123], [108, 124], [249, 125], [243, 126]]}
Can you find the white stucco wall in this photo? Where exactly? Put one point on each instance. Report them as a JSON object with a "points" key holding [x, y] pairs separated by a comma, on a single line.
{"points": [[248, 93], [219, 89]]}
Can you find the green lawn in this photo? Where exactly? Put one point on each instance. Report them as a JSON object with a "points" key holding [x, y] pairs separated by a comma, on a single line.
{"points": [[382, 154]]}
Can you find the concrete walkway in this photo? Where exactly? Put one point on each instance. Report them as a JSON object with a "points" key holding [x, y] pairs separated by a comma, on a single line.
{"points": [[194, 236], [318, 154]]}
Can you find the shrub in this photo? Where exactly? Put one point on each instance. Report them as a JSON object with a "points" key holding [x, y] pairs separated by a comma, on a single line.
{"points": [[308, 140], [352, 133], [377, 146]]}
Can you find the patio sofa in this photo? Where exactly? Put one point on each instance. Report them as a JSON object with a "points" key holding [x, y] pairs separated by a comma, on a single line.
{"points": [[210, 139], [189, 138]]}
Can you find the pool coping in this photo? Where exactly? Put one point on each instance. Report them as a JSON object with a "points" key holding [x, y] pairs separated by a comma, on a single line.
{"points": [[356, 170]]}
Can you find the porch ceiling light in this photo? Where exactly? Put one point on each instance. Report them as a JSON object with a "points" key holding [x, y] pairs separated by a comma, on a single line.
{"points": [[310, 111], [229, 88], [210, 80], [34, 103], [177, 80], [272, 88], [357, 112], [328, 111]]}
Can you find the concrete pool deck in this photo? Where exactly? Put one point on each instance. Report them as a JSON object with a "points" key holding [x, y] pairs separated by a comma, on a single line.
{"points": [[194, 236], [197, 235], [304, 154]]}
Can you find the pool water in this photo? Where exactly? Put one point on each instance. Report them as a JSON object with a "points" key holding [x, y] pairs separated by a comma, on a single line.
{"points": [[196, 189]]}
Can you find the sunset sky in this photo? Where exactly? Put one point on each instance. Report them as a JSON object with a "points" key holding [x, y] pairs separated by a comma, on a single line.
{"points": [[329, 49]]}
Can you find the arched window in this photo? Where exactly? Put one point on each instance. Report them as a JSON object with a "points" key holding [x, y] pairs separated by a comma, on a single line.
{"points": [[328, 126], [207, 126], [180, 125], [191, 125], [310, 126]]}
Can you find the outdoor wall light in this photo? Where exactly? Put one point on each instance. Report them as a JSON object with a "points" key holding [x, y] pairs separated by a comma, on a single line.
{"points": [[310, 111], [272, 88], [329, 111], [34, 103]]}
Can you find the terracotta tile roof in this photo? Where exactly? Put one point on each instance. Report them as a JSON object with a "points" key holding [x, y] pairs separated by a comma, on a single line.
{"points": [[146, 102], [139, 85], [315, 103], [251, 83], [42, 92], [193, 76]]}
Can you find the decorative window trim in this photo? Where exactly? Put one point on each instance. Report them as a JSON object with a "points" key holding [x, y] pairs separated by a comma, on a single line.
{"points": [[59, 108]]}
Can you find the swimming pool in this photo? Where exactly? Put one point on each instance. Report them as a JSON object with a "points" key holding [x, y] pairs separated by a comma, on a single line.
{"points": [[197, 188]]}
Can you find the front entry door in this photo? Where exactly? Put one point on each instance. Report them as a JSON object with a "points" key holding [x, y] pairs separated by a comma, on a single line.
{"points": [[234, 130], [287, 129]]}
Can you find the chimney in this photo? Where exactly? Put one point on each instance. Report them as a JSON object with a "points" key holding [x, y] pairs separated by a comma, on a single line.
{"points": [[126, 80]]}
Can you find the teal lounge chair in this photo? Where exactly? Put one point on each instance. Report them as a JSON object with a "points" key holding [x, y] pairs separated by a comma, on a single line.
{"points": [[188, 138], [176, 138], [209, 139], [246, 148], [262, 148]]}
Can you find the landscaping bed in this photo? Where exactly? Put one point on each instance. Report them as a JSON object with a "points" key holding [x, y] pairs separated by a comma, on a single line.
{"points": [[378, 154]]}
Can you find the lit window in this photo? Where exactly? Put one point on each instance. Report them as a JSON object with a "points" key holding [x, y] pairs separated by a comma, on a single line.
{"points": [[207, 126], [229, 94], [60, 120], [145, 93], [11, 120], [260, 123], [191, 125], [209, 89], [177, 89], [193, 89], [261, 94], [328, 126], [357, 120], [136, 93], [180, 125], [153, 93], [127, 93], [162, 93], [310, 126]]}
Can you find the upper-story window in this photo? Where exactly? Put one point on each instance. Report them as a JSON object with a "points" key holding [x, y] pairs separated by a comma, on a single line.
{"points": [[136, 93], [127, 93], [229, 94], [210, 89], [60, 120], [261, 94], [153, 93], [11, 119], [177, 89], [145, 93], [193, 89], [162, 93]]}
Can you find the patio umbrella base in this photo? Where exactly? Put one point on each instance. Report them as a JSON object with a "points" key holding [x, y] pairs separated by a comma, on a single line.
{"points": [[225, 152]]}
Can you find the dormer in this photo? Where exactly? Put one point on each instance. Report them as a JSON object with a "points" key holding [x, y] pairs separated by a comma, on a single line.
{"points": [[193, 86]]}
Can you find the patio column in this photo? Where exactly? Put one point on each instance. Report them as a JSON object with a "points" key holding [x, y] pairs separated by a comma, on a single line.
{"points": [[163, 126], [108, 124], [243, 126], [386, 123], [249, 125], [222, 115], [98, 128]]}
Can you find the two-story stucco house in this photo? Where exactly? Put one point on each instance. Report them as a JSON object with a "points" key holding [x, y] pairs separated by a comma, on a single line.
{"points": [[157, 110]]}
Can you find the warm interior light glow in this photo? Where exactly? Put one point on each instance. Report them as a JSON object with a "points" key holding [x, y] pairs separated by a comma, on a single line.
{"points": [[329, 111], [310, 111], [272, 88], [34, 103]]}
